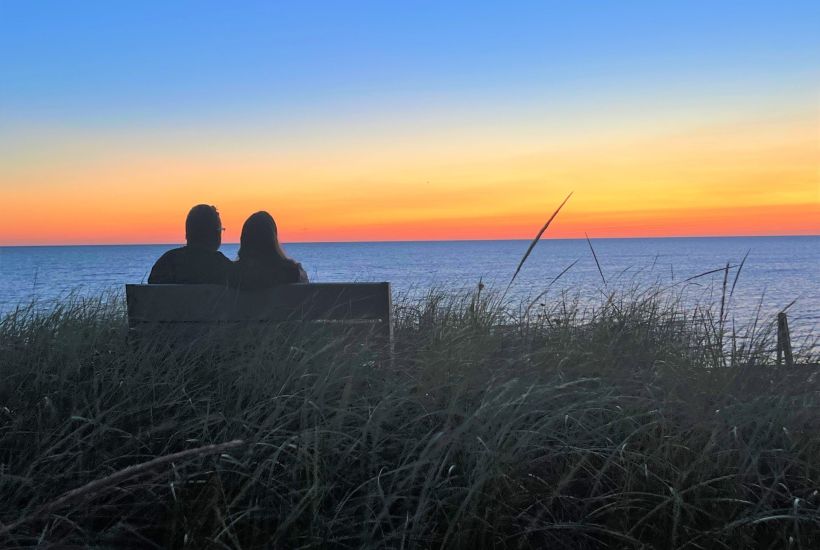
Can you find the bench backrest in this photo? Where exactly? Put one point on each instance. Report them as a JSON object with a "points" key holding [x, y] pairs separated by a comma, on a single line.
{"points": [[210, 304]]}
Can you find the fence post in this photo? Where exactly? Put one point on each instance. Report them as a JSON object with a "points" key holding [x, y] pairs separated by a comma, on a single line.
{"points": [[784, 341]]}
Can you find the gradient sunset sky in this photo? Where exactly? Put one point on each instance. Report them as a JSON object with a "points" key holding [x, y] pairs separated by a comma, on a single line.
{"points": [[404, 121]]}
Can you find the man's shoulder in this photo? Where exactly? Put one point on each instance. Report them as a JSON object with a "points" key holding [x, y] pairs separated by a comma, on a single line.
{"points": [[199, 254], [164, 270], [214, 258], [222, 258], [212, 265], [169, 254], [191, 265]]}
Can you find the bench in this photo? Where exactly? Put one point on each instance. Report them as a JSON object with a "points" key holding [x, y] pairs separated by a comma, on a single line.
{"points": [[199, 308]]}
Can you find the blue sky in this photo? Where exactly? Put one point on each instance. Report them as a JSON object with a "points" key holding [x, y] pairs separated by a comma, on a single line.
{"points": [[159, 61]]}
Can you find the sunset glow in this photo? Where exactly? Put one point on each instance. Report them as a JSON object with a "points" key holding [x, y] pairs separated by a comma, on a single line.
{"points": [[692, 142]]}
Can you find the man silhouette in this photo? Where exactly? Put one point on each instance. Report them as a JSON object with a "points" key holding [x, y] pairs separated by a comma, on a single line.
{"points": [[199, 262]]}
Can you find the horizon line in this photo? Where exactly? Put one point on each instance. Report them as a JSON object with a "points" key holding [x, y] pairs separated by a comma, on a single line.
{"points": [[397, 241]]}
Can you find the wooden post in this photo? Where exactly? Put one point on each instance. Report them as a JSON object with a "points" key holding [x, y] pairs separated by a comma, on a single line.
{"points": [[784, 342]]}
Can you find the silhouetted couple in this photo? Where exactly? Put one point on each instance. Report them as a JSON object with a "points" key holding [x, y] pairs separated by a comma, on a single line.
{"points": [[261, 263]]}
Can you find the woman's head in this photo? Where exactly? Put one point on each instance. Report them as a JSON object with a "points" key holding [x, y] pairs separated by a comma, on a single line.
{"points": [[260, 238]]}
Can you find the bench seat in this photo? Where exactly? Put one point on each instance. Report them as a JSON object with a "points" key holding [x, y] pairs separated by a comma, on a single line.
{"points": [[165, 306]]}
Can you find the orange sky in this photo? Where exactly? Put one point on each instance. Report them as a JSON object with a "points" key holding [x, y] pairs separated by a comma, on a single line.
{"points": [[747, 177], [391, 122]]}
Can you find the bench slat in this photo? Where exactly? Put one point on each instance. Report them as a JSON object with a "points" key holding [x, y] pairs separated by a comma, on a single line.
{"points": [[293, 302]]}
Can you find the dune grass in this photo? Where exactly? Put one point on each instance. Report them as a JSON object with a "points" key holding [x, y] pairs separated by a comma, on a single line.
{"points": [[635, 424]]}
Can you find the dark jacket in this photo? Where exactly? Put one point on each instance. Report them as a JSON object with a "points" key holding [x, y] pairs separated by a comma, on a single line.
{"points": [[191, 265], [257, 273]]}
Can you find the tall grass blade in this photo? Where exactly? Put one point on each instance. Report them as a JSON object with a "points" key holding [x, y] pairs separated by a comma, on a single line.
{"points": [[737, 275], [723, 293], [544, 292], [705, 273], [594, 255], [570, 266], [723, 313], [536, 239]]}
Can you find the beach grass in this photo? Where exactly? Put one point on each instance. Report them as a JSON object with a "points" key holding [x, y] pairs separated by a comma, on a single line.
{"points": [[637, 423]]}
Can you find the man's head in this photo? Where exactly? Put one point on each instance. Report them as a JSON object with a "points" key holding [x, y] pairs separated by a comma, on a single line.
{"points": [[203, 228]]}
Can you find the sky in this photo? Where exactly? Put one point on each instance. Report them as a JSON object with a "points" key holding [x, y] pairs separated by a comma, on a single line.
{"points": [[362, 121]]}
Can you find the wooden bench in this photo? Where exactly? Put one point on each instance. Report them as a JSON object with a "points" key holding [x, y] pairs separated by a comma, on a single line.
{"points": [[198, 308]]}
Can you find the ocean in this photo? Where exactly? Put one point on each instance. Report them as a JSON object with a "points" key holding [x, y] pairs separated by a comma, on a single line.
{"points": [[778, 271]]}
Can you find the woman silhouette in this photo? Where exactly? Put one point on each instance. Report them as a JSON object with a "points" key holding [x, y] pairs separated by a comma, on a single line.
{"points": [[262, 263]]}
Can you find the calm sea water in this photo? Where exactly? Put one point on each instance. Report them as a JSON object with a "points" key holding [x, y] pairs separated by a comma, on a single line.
{"points": [[778, 270]]}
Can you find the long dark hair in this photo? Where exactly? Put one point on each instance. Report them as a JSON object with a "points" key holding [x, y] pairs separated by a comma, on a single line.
{"points": [[260, 239]]}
